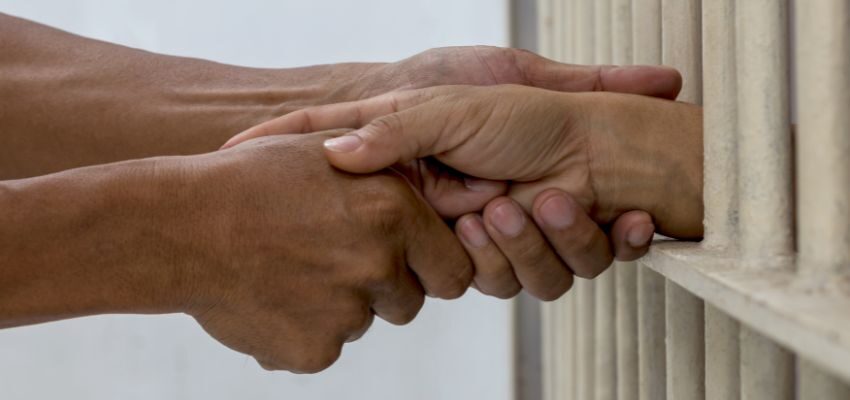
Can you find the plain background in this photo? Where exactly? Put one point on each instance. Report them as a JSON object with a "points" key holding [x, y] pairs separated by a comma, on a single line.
{"points": [[454, 350]]}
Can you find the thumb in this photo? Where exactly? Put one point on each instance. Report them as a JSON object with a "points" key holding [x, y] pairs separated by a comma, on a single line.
{"points": [[388, 140], [647, 80]]}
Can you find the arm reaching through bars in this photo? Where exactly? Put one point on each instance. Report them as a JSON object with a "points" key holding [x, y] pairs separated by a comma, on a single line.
{"points": [[612, 153]]}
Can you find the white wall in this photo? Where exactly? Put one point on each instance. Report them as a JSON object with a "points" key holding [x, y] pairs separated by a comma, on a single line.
{"points": [[454, 350]]}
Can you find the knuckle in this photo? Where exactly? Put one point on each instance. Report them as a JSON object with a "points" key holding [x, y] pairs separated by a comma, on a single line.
{"points": [[317, 360], [381, 275], [502, 291], [556, 290], [455, 285], [535, 254], [387, 125], [387, 203], [271, 365], [410, 312]]}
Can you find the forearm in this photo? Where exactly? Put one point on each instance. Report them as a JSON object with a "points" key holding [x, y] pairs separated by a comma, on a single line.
{"points": [[68, 101], [94, 240]]}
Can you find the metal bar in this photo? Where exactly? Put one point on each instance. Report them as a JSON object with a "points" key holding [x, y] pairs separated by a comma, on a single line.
{"points": [[646, 22], [621, 32], [627, 331], [585, 41], [764, 135], [722, 358], [626, 273], [720, 119], [646, 25], [767, 370], [823, 138], [605, 352], [585, 292], [605, 340], [544, 27], [681, 40], [651, 358], [681, 43], [685, 344]]}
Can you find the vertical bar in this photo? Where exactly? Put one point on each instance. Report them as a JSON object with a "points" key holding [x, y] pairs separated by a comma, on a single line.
{"points": [[547, 310], [584, 35], [569, 350], [817, 385], [764, 177], [585, 299], [722, 357], [764, 135], [602, 31], [651, 358], [685, 344], [626, 273], [583, 21], [646, 22], [544, 27], [722, 360], [681, 40], [767, 370], [627, 331], [605, 352], [547, 353], [823, 152], [720, 116], [567, 390], [568, 31], [559, 35], [606, 337], [621, 32]]}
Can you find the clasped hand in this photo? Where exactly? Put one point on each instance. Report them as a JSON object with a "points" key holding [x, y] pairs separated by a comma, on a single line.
{"points": [[534, 179]]}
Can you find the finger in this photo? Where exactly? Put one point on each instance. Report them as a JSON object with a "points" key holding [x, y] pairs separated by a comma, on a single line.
{"points": [[536, 266], [364, 325], [435, 254], [631, 235], [493, 273], [577, 239], [391, 139], [354, 114], [647, 80], [400, 301], [449, 192]]}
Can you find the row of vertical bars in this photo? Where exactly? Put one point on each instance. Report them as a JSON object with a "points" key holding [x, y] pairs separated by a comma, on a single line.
{"points": [[631, 334]]}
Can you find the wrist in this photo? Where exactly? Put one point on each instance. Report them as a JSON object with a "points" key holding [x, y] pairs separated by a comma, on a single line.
{"points": [[92, 241]]}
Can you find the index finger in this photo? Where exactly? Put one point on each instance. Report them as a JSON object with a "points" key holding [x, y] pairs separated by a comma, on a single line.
{"points": [[353, 114]]}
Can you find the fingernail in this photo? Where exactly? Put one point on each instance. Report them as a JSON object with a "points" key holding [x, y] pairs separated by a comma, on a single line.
{"points": [[558, 212], [344, 144], [508, 219], [473, 234], [640, 235], [480, 185]]}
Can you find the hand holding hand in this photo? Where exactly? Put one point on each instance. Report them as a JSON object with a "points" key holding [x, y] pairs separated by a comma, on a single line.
{"points": [[289, 274], [613, 153], [486, 65]]}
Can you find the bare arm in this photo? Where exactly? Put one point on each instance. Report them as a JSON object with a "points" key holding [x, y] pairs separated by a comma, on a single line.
{"points": [[68, 101], [230, 238]]}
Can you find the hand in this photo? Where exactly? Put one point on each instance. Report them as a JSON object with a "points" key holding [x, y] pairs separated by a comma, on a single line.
{"points": [[485, 65], [304, 253], [600, 148]]}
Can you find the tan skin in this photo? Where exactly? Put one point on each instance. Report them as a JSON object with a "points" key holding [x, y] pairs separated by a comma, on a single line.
{"points": [[648, 157], [219, 236]]}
